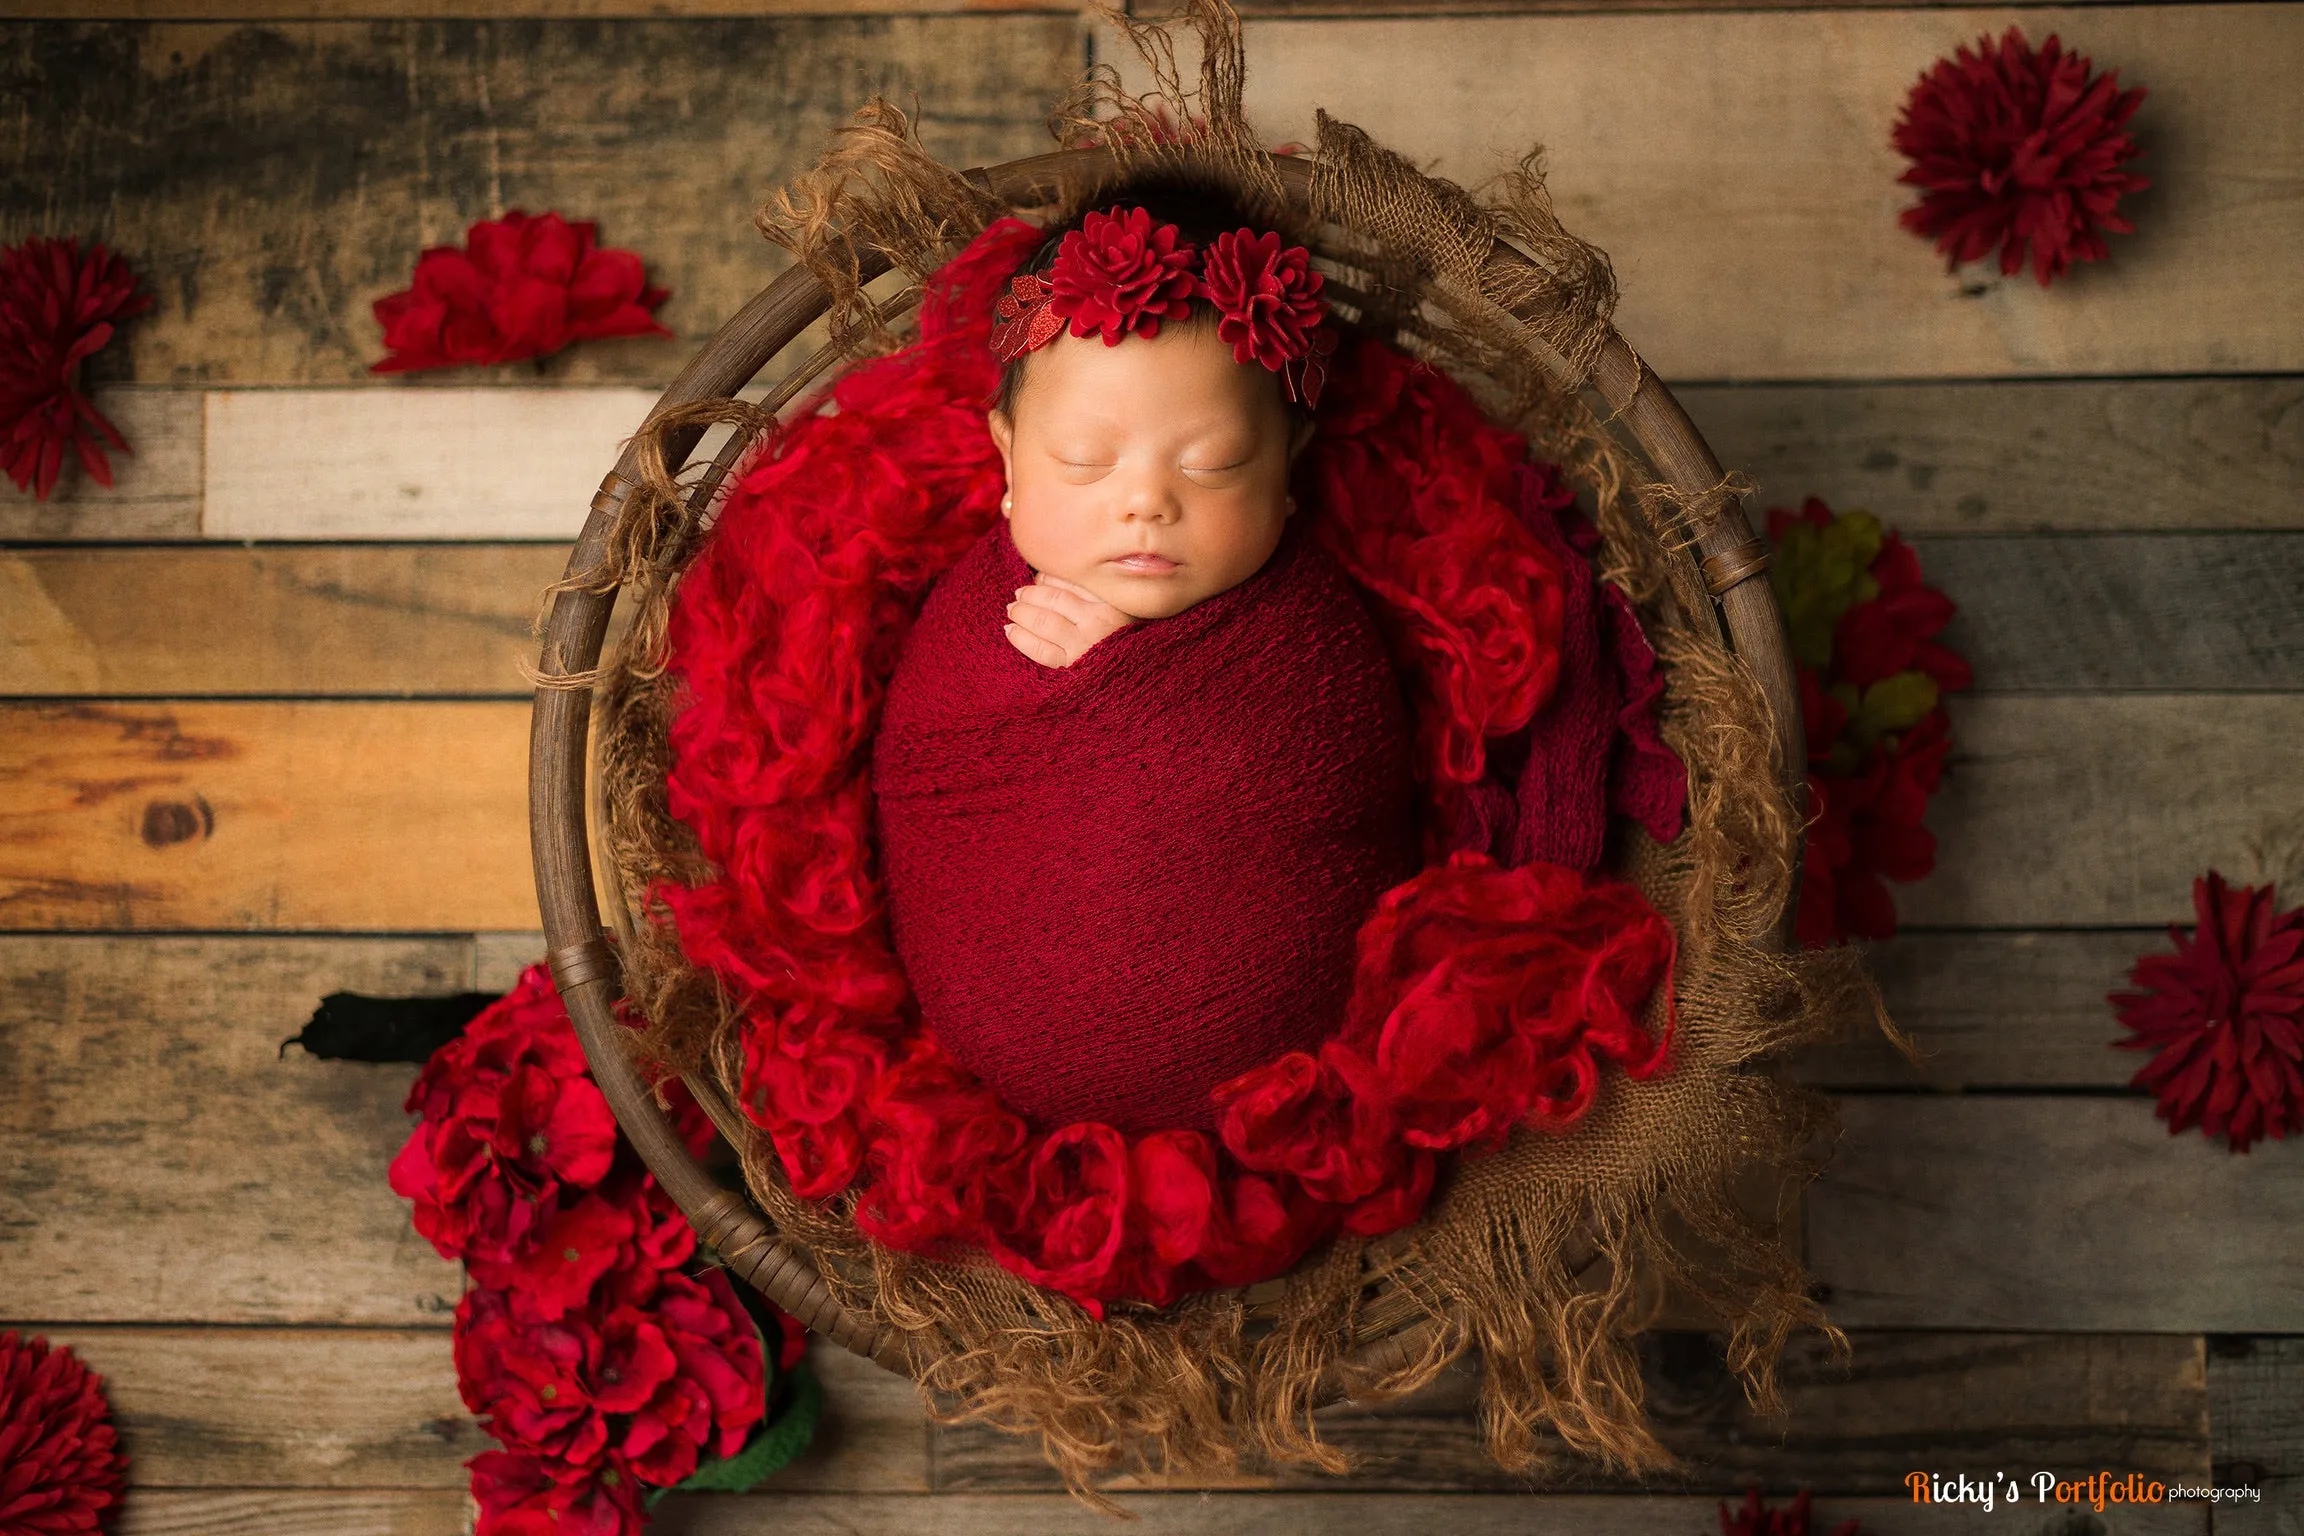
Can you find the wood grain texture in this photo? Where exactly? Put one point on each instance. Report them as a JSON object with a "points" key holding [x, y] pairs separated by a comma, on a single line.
{"points": [[2203, 612], [283, 1408], [1736, 166], [265, 816], [162, 1160], [771, 1508], [2256, 1419], [2067, 455], [183, 622], [1905, 1401], [355, 1408], [155, 489], [2058, 810], [2066, 1213], [2077, 810], [411, 463], [271, 181], [1994, 1010]]}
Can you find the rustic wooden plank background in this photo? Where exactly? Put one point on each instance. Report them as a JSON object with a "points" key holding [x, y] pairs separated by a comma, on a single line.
{"points": [[262, 733]]}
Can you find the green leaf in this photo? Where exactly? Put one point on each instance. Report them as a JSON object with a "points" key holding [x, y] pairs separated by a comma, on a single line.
{"points": [[1821, 573], [778, 1441], [1892, 704]]}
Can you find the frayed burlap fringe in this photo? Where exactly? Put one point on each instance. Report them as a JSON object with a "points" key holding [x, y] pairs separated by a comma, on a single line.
{"points": [[1548, 1257]]}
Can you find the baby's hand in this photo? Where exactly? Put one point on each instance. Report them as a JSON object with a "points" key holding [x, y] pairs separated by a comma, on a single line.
{"points": [[1055, 621]]}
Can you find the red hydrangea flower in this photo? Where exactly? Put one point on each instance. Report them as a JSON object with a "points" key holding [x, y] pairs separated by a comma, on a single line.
{"points": [[57, 309], [1872, 678], [521, 287], [1120, 273], [2019, 149], [1267, 296], [2224, 1017], [61, 1466], [522, 1494], [1757, 1519], [510, 1115]]}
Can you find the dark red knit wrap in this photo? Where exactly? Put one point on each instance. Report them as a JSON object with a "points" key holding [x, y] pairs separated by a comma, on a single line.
{"points": [[1117, 884]]}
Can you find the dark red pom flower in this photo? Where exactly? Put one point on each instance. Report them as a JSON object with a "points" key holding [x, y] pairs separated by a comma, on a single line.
{"points": [[510, 1116], [2224, 1017], [1757, 1519], [521, 287], [1267, 296], [2019, 149], [1120, 273], [56, 311], [61, 1466]]}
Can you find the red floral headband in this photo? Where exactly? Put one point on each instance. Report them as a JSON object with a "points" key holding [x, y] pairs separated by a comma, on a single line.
{"points": [[1121, 273]]}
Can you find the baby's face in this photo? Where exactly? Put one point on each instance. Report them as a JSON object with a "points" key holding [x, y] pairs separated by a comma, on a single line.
{"points": [[1153, 473]]}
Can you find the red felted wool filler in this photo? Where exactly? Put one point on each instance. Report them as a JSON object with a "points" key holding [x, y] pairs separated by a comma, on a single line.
{"points": [[1146, 974]]}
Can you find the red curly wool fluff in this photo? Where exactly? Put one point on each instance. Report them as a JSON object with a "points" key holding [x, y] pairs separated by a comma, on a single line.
{"points": [[1484, 997]]}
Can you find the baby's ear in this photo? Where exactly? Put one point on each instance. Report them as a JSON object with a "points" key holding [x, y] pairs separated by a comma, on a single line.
{"points": [[1301, 438], [1003, 431]]}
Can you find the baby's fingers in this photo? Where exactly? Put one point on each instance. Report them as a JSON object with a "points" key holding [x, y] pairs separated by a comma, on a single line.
{"points": [[1046, 652]]}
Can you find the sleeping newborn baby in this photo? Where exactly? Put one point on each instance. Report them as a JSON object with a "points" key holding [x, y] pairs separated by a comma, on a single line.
{"points": [[1144, 765]]}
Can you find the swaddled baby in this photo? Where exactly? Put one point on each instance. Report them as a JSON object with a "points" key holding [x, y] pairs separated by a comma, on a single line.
{"points": [[1144, 766]]}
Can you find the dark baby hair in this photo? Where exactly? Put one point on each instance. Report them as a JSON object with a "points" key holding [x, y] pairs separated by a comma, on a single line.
{"points": [[1200, 214]]}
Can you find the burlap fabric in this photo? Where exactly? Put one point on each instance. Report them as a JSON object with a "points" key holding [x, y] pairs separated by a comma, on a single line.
{"points": [[1550, 1256]]}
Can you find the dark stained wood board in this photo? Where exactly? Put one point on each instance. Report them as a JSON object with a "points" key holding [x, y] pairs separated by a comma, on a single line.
{"points": [[2256, 1418], [2083, 1213], [441, 1513], [270, 181]]}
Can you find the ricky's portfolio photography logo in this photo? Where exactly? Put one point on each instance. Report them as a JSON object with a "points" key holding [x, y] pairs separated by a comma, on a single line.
{"points": [[2098, 1490]]}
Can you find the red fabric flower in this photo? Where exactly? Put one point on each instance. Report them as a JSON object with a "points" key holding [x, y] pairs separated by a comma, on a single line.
{"points": [[521, 287], [1120, 273], [805, 591], [510, 1115], [57, 309], [2224, 1017], [1757, 1519], [2019, 149], [1266, 295], [523, 1494], [61, 1466]]}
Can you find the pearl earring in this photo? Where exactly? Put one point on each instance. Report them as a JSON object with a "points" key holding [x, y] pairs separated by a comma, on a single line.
{"points": [[1007, 501]]}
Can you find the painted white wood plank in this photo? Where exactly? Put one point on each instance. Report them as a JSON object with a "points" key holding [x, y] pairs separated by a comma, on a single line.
{"points": [[1737, 168], [2071, 1214], [410, 463]]}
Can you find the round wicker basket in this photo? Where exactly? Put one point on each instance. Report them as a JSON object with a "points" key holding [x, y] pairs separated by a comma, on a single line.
{"points": [[1728, 557]]}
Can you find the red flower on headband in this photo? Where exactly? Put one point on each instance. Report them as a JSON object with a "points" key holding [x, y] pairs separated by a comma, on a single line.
{"points": [[1120, 272], [1267, 295], [2018, 148]]}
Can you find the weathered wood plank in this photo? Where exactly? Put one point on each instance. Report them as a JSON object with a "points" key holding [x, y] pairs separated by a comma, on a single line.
{"points": [[1737, 168], [411, 463], [1906, 1401], [278, 1407], [2087, 811], [2123, 611], [162, 1161], [155, 490], [181, 622], [2066, 1213], [272, 181], [2256, 1426], [1994, 1010], [2058, 810], [2198, 612], [265, 816], [174, 1513], [293, 1408], [2022, 456]]}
